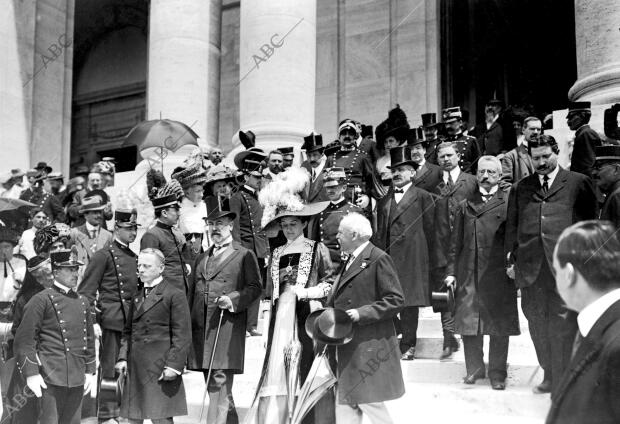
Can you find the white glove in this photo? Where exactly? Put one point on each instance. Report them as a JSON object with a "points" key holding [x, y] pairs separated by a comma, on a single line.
{"points": [[450, 281], [362, 201], [510, 271], [90, 385], [36, 384], [97, 330]]}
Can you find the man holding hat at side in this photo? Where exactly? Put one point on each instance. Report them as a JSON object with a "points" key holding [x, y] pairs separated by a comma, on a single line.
{"points": [[55, 345], [369, 291], [586, 139], [607, 178], [315, 165], [110, 282], [466, 146]]}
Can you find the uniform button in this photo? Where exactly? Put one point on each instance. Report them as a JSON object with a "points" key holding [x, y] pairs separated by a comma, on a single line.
{"points": [[119, 274], [84, 338], [64, 331], [84, 320], [67, 349], [66, 340]]}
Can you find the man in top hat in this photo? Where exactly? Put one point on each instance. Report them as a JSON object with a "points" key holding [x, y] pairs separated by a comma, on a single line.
{"points": [[110, 282], [323, 227], [91, 236], [427, 175], [369, 290], [540, 207], [247, 214], [225, 282], [491, 141], [586, 139], [55, 345], [586, 261], [167, 238], [357, 164], [288, 156], [466, 146], [517, 163], [431, 136], [486, 299], [607, 178], [315, 165], [42, 198], [405, 230]]}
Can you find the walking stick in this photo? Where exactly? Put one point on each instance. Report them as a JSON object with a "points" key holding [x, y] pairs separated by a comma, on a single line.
{"points": [[217, 336]]}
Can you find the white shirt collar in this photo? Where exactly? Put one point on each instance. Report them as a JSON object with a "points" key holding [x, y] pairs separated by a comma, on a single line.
{"points": [[421, 164], [404, 188], [492, 191], [358, 141], [90, 227], [227, 240], [358, 251], [550, 175], [455, 174], [62, 287], [120, 242], [337, 201], [521, 140], [154, 282], [250, 189], [591, 313]]}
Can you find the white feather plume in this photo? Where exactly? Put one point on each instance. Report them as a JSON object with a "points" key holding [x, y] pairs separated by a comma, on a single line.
{"points": [[282, 193]]}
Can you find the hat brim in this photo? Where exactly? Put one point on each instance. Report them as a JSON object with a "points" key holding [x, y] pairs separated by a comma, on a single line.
{"points": [[69, 264], [310, 320], [321, 337], [241, 156], [309, 209], [314, 149], [407, 162], [127, 224], [91, 209], [220, 214], [167, 205]]}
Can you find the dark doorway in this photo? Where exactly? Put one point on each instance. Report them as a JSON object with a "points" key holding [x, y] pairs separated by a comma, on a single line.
{"points": [[522, 51]]}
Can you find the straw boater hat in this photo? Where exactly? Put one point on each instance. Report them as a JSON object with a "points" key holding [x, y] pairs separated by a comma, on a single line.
{"points": [[192, 175], [92, 204], [281, 197]]}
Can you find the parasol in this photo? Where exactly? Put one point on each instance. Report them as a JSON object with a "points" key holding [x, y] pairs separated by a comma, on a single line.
{"points": [[7, 204], [320, 380], [292, 355], [14, 213]]}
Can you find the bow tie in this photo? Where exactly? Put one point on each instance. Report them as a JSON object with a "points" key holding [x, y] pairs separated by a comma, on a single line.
{"points": [[147, 290], [399, 190], [217, 248]]}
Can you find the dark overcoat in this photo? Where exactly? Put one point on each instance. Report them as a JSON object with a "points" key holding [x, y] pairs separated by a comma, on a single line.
{"points": [[235, 274], [486, 299], [157, 335], [491, 142], [611, 208], [584, 155], [171, 242], [368, 367], [536, 220], [590, 388], [406, 231], [428, 177], [247, 228], [314, 192]]}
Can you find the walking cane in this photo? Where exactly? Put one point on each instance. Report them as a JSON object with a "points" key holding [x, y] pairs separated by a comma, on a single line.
{"points": [[217, 335]]}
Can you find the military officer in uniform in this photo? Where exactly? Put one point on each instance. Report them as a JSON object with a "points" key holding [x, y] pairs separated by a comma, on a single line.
{"points": [[247, 228], [431, 136], [55, 346], [324, 226], [466, 146], [607, 177], [110, 282]]}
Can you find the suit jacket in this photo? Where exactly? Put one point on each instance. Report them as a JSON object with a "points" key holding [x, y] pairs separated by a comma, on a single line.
{"points": [[428, 177], [157, 335], [234, 273], [86, 247], [583, 157], [492, 140], [611, 208], [516, 164], [406, 232], [314, 190], [535, 220], [247, 228], [590, 388], [368, 367]]}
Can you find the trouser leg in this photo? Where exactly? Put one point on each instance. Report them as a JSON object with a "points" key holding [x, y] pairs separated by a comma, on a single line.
{"points": [[409, 327], [61, 405], [252, 322], [474, 357], [110, 345], [348, 414], [534, 305], [221, 404], [562, 327], [447, 325], [377, 412], [498, 356]]}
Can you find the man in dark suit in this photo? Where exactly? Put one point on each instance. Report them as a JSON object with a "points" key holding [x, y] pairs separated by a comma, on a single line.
{"points": [[247, 228], [491, 141], [586, 139], [427, 175], [55, 346], [154, 347], [540, 207], [431, 136], [315, 165], [607, 177], [368, 289], [405, 230], [110, 283], [455, 186], [517, 163], [587, 264], [225, 281]]}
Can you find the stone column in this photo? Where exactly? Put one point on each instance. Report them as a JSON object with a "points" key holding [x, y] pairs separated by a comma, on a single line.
{"points": [[277, 60], [184, 64], [598, 47]]}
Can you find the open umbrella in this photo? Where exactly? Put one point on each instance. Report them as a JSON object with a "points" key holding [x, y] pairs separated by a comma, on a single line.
{"points": [[14, 213], [7, 204], [320, 380], [161, 135], [292, 355]]}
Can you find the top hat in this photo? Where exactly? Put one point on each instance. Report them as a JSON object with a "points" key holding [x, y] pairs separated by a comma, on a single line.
{"points": [[495, 102], [609, 153], [55, 176], [287, 151], [579, 107], [215, 210], [401, 155], [451, 114], [349, 123], [313, 142], [443, 301], [126, 218], [334, 176], [43, 166], [65, 258], [366, 131], [415, 136], [248, 139], [429, 120], [330, 326], [92, 203]]}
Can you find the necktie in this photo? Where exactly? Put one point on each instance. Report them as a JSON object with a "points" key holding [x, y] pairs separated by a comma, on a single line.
{"points": [[576, 343], [450, 181], [92, 233], [218, 248], [147, 290], [349, 262], [545, 184], [313, 174]]}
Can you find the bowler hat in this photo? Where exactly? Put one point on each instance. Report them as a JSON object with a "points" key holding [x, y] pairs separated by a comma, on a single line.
{"points": [[330, 326], [415, 136], [401, 155], [312, 143], [443, 301], [65, 258]]}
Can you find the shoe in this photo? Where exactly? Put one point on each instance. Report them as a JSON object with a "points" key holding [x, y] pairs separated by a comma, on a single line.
{"points": [[409, 354], [255, 333], [447, 352], [498, 384], [544, 387], [471, 379]]}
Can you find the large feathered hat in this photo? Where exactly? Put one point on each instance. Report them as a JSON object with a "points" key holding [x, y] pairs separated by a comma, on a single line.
{"points": [[46, 236], [161, 193], [397, 124]]}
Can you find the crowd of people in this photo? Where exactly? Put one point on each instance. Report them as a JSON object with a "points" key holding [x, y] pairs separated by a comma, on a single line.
{"points": [[346, 243]]}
